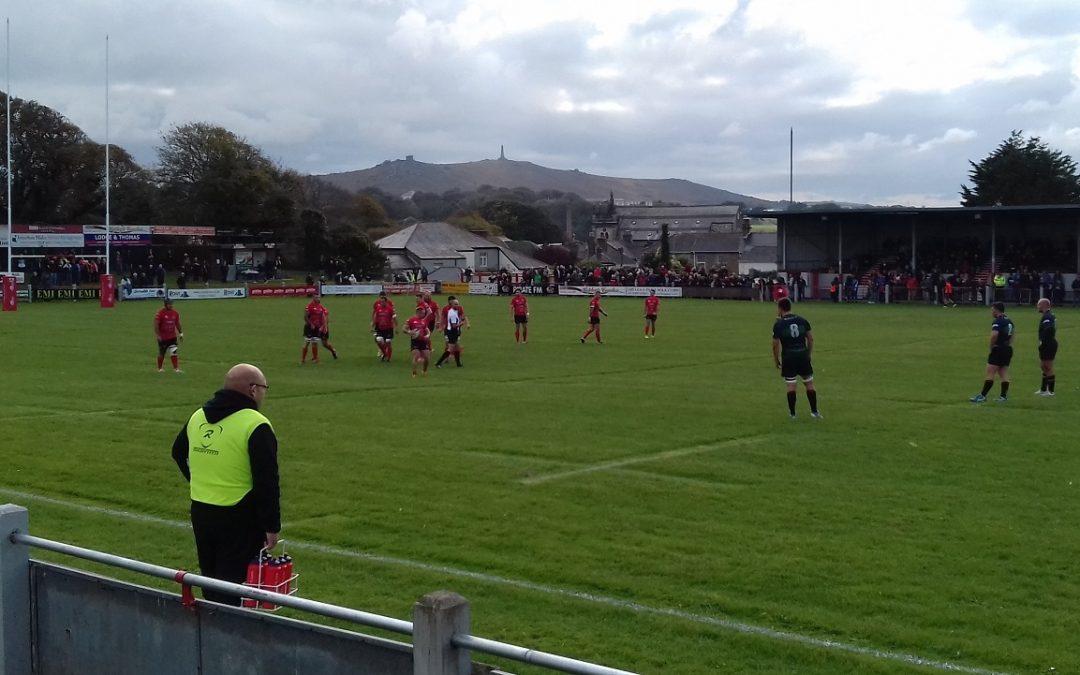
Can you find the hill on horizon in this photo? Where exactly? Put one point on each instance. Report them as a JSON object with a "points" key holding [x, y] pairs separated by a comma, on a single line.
{"points": [[401, 176]]}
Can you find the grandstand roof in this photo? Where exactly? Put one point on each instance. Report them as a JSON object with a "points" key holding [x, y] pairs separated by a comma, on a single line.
{"points": [[916, 210]]}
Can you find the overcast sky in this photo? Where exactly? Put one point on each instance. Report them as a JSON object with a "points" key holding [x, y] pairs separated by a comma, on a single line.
{"points": [[889, 100]]}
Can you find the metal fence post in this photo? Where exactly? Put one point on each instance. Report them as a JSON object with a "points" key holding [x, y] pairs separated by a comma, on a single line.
{"points": [[14, 593], [436, 617]]}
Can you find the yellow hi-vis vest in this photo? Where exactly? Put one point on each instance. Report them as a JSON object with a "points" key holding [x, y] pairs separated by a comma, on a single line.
{"points": [[218, 456]]}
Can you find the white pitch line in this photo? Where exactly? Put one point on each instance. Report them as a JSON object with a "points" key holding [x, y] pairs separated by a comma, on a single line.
{"points": [[638, 459], [618, 603]]}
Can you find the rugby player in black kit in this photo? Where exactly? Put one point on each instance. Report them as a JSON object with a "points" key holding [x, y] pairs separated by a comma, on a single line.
{"points": [[791, 345], [1001, 351]]}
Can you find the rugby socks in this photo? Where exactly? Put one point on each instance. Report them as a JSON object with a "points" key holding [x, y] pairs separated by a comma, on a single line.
{"points": [[517, 335], [160, 361], [457, 358], [315, 353], [811, 395], [389, 351], [445, 355], [303, 354], [1004, 390], [1050, 382], [1043, 386], [175, 362], [987, 386], [598, 335], [791, 402]]}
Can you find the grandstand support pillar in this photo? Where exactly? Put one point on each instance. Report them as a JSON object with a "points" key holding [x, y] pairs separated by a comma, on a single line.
{"points": [[14, 593], [914, 243], [783, 244], [993, 247], [436, 618]]}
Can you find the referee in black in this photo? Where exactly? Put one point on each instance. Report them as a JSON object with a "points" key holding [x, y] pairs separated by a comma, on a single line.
{"points": [[1048, 347], [227, 451]]}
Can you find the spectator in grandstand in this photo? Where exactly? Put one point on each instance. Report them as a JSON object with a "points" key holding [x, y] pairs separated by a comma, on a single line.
{"points": [[227, 451]]}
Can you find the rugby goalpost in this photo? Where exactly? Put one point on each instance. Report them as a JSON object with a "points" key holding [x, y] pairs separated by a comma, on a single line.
{"points": [[9, 279]]}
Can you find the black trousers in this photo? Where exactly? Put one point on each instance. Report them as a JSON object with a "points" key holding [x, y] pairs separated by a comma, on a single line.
{"points": [[227, 538]]}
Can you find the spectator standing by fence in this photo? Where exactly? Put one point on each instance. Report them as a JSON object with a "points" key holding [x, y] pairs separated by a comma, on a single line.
{"points": [[227, 451]]}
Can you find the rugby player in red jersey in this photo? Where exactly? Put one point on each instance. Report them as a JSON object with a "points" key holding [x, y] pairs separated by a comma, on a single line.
{"points": [[519, 307], [316, 330], [432, 307], [417, 328], [167, 330], [453, 320], [652, 308], [383, 323], [595, 310]]}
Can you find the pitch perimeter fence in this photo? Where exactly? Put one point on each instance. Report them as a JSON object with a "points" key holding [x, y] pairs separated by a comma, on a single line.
{"points": [[59, 620], [863, 293]]}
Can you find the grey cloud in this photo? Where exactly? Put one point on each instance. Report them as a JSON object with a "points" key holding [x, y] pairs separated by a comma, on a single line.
{"points": [[335, 85]]}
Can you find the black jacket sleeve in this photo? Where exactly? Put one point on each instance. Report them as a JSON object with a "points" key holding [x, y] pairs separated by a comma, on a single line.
{"points": [[262, 451], [180, 453]]}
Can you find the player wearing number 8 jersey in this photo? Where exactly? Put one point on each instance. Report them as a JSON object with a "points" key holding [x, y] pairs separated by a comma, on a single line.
{"points": [[1001, 351], [791, 345]]}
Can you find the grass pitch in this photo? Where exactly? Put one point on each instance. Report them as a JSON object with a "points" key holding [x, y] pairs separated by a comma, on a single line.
{"points": [[645, 503]]}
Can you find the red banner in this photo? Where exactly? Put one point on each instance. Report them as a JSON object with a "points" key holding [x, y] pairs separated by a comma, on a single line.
{"points": [[281, 291], [10, 291], [108, 290]]}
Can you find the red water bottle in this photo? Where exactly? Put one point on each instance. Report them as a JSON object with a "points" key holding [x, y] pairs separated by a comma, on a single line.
{"points": [[271, 574], [252, 580]]}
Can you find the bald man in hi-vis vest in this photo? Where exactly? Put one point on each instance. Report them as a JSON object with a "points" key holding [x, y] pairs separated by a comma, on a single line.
{"points": [[228, 453]]}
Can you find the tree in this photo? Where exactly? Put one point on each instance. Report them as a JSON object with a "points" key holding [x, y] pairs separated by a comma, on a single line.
{"points": [[473, 222], [1022, 171], [556, 254], [370, 213], [314, 238], [58, 173], [211, 176], [665, 246], [362, 257], [520, 221]]}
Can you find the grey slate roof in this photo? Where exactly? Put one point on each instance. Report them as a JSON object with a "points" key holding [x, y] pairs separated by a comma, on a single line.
{"points": [[705, 243], [760, 247], [665, 212], [433, 240], [437, 240]]}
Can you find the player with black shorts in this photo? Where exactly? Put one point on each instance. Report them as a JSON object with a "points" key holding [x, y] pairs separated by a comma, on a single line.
{"points": [[453, 320], [383, 322], [519, 307], [652, 309], [792, 344], [168, 332], [316, 330], [1001, 352], [1048, 347], [595, 310], [417, 328]]}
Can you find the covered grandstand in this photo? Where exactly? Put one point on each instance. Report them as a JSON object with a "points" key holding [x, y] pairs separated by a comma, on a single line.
{"points": [[977, 242]]}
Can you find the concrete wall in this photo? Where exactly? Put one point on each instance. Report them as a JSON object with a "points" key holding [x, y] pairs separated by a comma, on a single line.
{"points": [[84, 623]]}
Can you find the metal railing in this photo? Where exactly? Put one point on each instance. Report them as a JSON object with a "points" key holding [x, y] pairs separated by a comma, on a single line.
{"points": [[462, 641]]}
